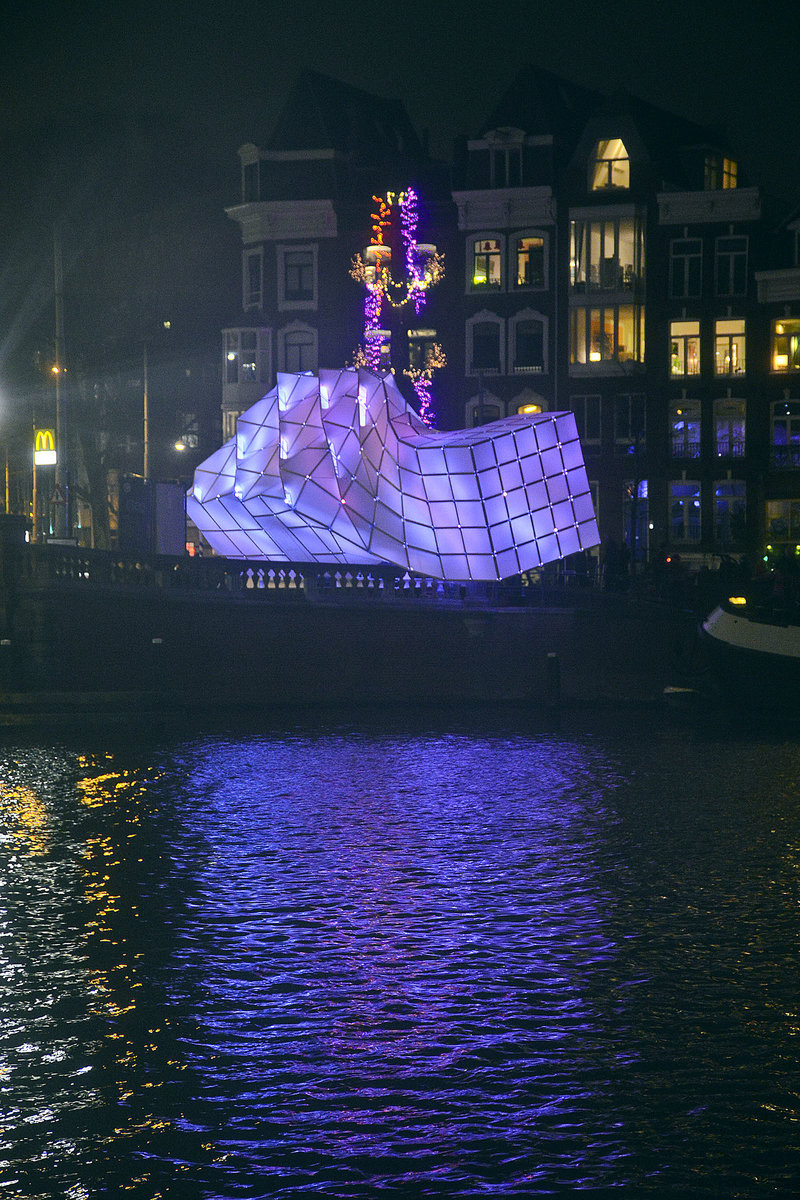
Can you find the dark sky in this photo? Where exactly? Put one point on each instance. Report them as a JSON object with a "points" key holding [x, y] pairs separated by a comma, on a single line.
{"points": [[228, 66]]}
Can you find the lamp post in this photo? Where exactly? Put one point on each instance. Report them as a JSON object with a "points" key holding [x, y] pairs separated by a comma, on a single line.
{"points": [[146, 418]]}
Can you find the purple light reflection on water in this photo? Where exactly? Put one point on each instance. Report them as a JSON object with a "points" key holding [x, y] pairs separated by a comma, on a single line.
{"points": [[398, 956], [424, 958]]}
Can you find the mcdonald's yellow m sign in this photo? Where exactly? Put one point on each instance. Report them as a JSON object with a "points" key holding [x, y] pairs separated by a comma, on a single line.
{"points": [[44, 448]]}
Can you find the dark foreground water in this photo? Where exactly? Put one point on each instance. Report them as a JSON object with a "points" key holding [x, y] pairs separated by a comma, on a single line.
{"points": [[430, 955]]}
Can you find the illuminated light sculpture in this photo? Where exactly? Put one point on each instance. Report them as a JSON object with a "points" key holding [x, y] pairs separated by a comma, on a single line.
{"points": [[339, 469], [424, 267]]}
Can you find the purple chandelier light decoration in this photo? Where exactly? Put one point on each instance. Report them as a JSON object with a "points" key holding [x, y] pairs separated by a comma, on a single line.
{"points": [[424, 267]]}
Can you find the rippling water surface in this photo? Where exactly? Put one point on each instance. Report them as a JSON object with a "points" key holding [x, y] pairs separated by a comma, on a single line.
{"points": [[412, 955]]}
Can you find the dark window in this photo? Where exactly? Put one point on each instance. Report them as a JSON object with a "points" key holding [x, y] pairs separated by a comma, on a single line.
{"points": [[686, 267], [530, 346], [298, 266], [731, 265], [486, 346]]}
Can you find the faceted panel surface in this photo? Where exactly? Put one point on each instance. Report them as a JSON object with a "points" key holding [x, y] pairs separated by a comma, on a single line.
{"points": [[337, 468]]}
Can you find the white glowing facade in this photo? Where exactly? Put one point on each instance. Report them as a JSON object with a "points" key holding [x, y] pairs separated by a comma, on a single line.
{"points": [[336, 468]]}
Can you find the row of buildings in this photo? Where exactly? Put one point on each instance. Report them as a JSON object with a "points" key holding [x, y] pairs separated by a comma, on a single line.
{"points": [[600, 255]]}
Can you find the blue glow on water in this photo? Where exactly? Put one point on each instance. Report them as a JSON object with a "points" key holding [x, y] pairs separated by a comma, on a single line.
{"points": [[426, 957]]}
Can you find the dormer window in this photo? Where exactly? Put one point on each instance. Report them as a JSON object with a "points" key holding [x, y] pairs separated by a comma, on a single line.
{"points": [[610, 166], [720, 172]]}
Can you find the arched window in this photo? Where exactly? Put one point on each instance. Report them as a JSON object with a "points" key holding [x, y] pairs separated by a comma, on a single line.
{"points": [[529, 343], [297, 348], [609, 166], [485, 262], [485, 349]]}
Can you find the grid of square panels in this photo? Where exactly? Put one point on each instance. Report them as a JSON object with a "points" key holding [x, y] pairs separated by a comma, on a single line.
{"points": [[338, 468]]}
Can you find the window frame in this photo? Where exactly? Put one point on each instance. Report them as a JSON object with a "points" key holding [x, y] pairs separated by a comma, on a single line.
{"points": [[730, 338], [725, 264], [683, 338], [472, 253], [522, 317], [286, 332], [285, 302], [687, 538], [581, 337], [232, 344], [579, 405], [630, 441], [689, 447], [792, 353], [735, 443], [484, 317], [741, 508], [686, 292], [514, 241], [590, 230], [252, 298], [599, 159]]}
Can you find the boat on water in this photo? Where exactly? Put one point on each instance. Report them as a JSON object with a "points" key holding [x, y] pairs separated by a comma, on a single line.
{"points": [[753, 648]]}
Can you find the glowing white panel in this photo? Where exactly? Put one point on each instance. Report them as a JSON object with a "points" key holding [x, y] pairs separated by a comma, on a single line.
{"points": [[338, 469]]}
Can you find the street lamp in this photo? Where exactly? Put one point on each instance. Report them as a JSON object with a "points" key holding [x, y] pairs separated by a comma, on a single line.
{"points": [[146, 409]]}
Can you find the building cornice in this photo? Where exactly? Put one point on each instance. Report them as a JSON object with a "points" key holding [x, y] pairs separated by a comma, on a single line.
{"points": [[277, 220], [697, 208], [501, 207]]}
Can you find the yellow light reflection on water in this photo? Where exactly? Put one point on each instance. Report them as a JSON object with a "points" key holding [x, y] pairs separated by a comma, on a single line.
{"points": [[24, 815]]}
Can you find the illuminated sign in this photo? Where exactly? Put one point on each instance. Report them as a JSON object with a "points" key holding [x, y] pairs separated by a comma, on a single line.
{"points": [[44, 448]]}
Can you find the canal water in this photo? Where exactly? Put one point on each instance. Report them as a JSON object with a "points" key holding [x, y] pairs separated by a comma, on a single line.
{"points": [[403, 954]]}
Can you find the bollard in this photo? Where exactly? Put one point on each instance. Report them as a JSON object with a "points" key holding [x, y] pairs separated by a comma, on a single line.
{"points": [[553, 680]]}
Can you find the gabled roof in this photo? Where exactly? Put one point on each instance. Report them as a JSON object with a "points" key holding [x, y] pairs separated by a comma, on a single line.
{"points": [[322, 113], [543, 103]]}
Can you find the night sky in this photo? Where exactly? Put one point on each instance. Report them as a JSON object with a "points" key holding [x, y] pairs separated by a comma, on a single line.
{"points": [[108, 112], [228, 66]]}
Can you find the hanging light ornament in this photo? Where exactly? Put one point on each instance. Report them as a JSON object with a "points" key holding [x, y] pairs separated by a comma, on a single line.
{"points": [[424, 267]]}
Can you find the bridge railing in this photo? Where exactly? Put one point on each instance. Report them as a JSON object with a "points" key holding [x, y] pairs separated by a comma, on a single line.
{"points": [[54, 566]]}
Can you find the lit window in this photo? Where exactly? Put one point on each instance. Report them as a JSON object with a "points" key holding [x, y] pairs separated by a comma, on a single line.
{"points": [[685, 510], [729, 425], [685, 429], [610, 166], [247, 356], [606, 256], [729, 514], [685, 267], [783, 525], [611, 334], [232, 356], [720, 172], [731, 266], [786, 345], [684, 347], [530, 262], [729, 348], [420, 345], [486, 263]]}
